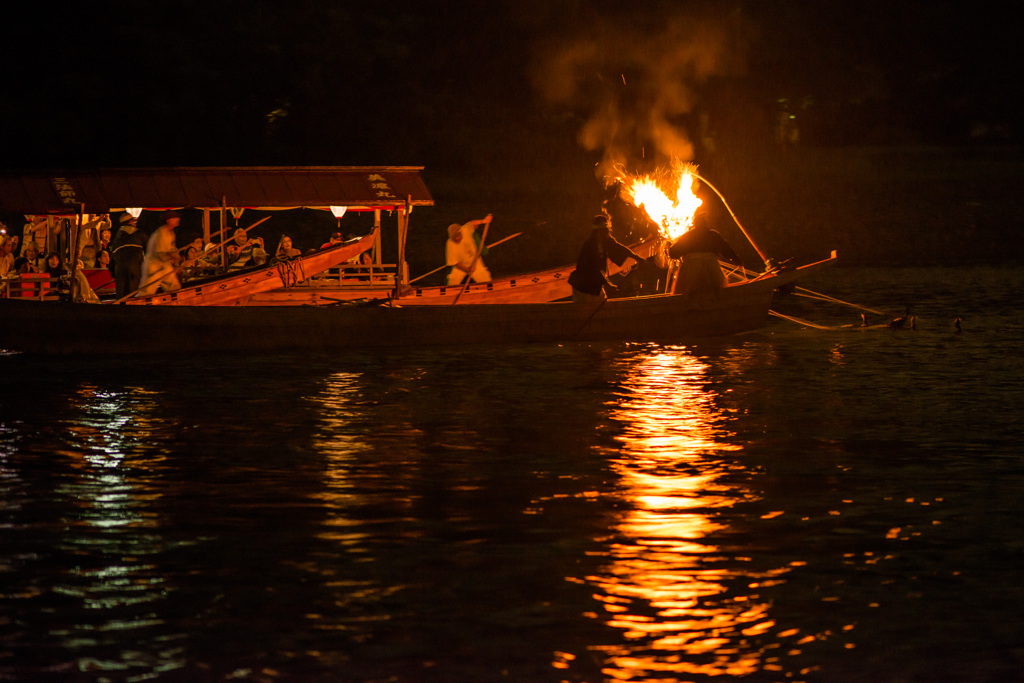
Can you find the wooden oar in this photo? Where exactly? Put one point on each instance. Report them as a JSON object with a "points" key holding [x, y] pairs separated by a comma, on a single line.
{"points": [[489, 246], [189, 262], [801, 291]]}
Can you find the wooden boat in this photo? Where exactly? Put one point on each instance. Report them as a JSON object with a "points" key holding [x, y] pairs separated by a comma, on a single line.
{"points": [[68, 198], [360, 282], [94, 329], [239, 287]]}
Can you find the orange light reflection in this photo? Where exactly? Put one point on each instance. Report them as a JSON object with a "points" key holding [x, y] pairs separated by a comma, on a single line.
{"points": [[667, 585]]}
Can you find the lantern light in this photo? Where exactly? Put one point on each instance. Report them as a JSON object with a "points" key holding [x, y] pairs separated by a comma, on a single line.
{"points": [[338, 212]]}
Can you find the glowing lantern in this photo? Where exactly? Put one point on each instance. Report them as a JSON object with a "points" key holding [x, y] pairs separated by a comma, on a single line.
{"points": [[338, 212]]}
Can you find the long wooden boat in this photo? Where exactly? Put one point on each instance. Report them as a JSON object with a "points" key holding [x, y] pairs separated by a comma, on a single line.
{"points": [[364, 283], [77, 329], [238, 288]]}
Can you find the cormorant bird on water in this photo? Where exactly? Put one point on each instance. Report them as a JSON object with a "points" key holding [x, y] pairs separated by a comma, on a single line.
{"points": [[901, 322]]}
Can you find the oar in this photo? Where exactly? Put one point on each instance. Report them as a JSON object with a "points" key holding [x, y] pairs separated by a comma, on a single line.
{"points": [[189, 262], [590, 317], [472, 266], [831, 299], [489, 246], [801, 291]]}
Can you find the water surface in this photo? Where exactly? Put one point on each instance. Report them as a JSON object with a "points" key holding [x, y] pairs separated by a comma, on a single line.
{"points": [[790, 504]]}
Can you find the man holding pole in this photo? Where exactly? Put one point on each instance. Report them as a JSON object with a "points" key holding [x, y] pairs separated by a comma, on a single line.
{"points": [[159, 268], [461, 252]]}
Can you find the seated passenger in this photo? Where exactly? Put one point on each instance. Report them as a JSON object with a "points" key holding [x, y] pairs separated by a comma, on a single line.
{"points": [[285, 250], [244, 252]]}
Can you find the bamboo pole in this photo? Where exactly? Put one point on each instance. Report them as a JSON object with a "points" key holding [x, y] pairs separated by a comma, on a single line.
{"points": [[728, 208], [489, 246]]}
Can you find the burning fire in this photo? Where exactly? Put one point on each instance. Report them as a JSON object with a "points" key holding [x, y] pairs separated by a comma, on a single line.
{"points": [[675, 216]]}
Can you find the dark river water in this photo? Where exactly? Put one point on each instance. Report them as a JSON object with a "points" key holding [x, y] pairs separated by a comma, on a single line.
{"points": [[792, 504]]}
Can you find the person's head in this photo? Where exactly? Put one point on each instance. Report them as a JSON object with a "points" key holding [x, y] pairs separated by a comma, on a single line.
{"points": [[105, 235], [172, 219], [241, 237], [455, 232], [30, 250], [286, 242], [53, 260], [127, 219], [103, 258], [700, 221], [602, 221]]}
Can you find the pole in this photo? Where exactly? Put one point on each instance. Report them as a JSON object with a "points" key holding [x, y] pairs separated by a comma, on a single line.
{"points": [[760, 253], [489, 246]]}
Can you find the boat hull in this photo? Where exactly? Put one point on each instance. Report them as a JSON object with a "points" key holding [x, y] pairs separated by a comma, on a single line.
{"points": [[241, 287], [536, 287], [64, 328]]}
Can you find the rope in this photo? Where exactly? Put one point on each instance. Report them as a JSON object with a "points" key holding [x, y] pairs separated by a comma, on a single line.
{"points": [[831, 299], [798, 321], [728, 208]]}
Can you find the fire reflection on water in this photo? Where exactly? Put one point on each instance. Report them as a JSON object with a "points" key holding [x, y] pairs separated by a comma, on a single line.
{"points": [[668, 586]]}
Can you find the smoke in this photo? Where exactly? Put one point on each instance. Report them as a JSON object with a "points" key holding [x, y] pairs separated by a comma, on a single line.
{"points": [[637, 88]]}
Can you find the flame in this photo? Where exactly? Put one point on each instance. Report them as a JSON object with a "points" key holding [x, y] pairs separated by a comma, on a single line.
{"points": [[673, 216]]}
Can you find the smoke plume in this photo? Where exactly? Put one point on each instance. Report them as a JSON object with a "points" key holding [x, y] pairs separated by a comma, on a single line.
{"points": [[636, 87]]}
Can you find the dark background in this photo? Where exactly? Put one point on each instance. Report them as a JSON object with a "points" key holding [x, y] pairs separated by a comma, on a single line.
{"points": [[888, 130]]}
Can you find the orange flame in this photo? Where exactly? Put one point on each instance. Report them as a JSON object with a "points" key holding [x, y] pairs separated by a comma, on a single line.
{"points": [[673, 216]]}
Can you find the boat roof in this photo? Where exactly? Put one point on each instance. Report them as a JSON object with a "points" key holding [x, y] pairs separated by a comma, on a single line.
{"points": [[253, 187]]}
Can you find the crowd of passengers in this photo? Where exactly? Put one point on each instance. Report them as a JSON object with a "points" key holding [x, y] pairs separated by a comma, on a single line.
{"points": [[133, 258]]}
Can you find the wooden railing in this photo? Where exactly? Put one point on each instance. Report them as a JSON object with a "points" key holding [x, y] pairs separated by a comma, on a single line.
{"points": [[30, 286], [355, 275], [42, 287]]}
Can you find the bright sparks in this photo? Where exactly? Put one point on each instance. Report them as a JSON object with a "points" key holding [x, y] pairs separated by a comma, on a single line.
{"points": [[673, 215]]}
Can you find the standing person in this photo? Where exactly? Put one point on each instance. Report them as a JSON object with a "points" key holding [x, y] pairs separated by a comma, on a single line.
{"points": [[104, 243], [590, 279], [129, 251], [161, 258], [461, 249], [38, 231], [701, 248]]}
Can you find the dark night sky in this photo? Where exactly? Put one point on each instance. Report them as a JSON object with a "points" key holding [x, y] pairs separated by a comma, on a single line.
{"points": [[301, 82]]}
